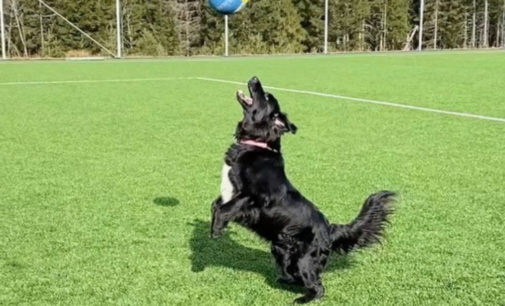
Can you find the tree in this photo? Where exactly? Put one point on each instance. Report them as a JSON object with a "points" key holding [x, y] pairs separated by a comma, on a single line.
{"points": [[188, 13], [262, 27], [311, 13], [474, 20], [170, 27], [348, 24], [435, 24], [452, 24], [397, 24], [275, 25], [210, 39]]}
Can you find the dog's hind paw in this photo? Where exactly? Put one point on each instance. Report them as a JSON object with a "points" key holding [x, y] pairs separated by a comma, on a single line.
{"points": [[311, 295], [284, 281]]}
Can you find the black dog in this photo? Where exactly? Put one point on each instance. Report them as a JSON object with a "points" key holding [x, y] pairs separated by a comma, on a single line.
{"points": [[256, 193]]}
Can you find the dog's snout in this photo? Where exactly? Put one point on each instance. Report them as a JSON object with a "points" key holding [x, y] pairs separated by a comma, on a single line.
{"points": [[253, 83], [255, 87]]}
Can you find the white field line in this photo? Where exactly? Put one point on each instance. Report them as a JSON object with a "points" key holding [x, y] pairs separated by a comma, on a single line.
{"points": [[91, 81], [362, 100], [306, 92]]}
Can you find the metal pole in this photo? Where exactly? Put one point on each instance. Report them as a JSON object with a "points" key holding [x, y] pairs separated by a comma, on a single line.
{"points": [[118, 28], [421, 16], [225, 35], [326, 27], [4, 55]]}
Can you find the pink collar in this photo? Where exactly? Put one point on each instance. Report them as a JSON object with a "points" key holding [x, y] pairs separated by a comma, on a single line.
{"points": [[258, 144]]}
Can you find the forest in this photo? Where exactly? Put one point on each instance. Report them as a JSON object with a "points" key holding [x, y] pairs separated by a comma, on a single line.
{"points": [[190, 27]]}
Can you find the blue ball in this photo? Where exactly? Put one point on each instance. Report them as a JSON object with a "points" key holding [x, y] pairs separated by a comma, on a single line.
{"points": [[227, 7]]}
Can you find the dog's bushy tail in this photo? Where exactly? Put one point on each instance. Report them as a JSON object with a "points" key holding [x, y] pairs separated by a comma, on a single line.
{"points": [[368, 227]]}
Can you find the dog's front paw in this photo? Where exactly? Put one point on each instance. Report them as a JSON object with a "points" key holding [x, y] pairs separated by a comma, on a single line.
{"points": [[216, 228], [214, 234]]}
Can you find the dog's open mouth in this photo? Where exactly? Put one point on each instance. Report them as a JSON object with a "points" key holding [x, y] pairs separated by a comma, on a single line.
{"points": [[243, 99]]}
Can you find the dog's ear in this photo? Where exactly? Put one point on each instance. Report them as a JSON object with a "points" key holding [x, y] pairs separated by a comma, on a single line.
{"points": [[284, 125], [292, 128]]}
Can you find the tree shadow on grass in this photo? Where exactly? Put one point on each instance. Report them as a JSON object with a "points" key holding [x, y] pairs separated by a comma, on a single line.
{"points": [[225, 252], [166, 201]]}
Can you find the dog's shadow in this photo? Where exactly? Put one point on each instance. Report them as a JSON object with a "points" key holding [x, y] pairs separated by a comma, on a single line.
{"points": [[225, 252]]}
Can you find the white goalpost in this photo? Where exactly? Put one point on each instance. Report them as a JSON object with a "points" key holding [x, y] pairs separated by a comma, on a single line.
{"points": [[326, 27], [225, 35], [118, 29], [421, 17], [2, 31]]}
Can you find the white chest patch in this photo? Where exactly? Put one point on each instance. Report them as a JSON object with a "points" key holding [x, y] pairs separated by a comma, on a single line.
{"points": [[226, 186]]}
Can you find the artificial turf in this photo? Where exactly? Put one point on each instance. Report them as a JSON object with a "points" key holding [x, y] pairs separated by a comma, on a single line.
{"points": [[105, 187]]}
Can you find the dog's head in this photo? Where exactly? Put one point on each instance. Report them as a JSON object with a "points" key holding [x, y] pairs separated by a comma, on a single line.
{"points": [[263, 120]]}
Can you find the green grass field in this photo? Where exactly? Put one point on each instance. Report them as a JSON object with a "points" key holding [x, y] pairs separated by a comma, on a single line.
{"points": [[106, 185]]}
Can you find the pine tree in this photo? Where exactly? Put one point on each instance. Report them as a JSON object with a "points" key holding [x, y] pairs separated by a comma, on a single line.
{"points": [[188, 18], [375, 25], [149, 28], [169, 27], [211, 36], [397, 24], [274, 25], [452, 22], [495, 22], [348, 21], [261, 27], [311, 13], [433, 20]]}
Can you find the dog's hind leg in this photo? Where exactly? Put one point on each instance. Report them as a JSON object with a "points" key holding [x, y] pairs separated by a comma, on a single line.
{"points": [[310, 269], [285, 265]]}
